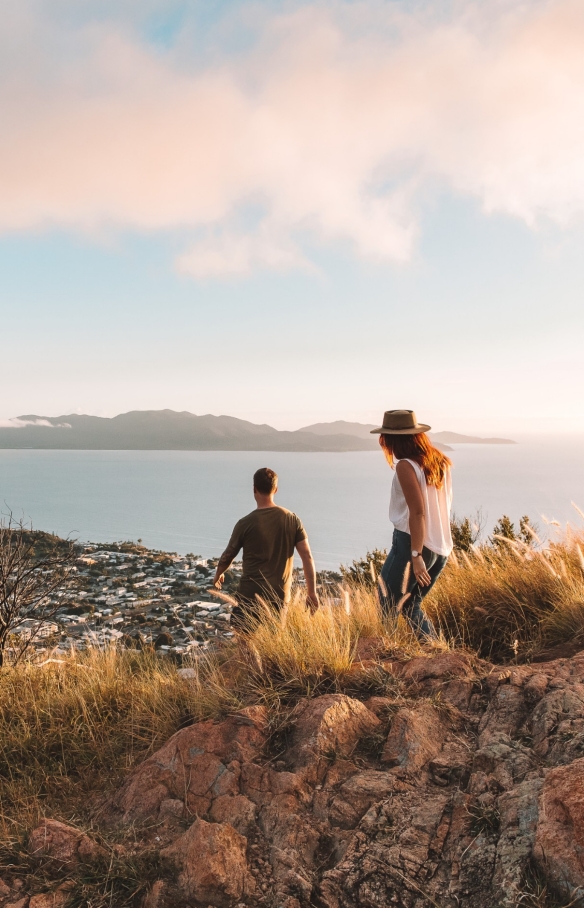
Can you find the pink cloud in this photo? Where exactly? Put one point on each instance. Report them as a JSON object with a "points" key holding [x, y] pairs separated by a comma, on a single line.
{"points": [[333, 125]]}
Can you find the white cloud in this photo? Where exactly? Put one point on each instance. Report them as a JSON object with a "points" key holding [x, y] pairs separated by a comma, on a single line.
{"points": [[16, 423], [332, 125]]}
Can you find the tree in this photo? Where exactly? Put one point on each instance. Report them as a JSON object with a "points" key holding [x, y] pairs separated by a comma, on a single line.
{"points": [[465, 532], [505, 529], [366, 570], [33, 568]]}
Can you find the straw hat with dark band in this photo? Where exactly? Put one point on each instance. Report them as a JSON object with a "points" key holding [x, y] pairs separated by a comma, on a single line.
{"points": [[400, 422]]}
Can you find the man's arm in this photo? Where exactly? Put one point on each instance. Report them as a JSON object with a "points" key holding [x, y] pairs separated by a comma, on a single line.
{"points": [[303, 549], [227, 558], [224, 564]]}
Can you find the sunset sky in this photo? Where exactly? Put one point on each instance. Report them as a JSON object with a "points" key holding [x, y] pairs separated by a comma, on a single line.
{"points": [[291, 212]]}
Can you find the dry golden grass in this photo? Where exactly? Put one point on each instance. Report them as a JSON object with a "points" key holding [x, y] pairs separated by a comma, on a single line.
{"points": [[509, 601], [296, 653], [66, 728]]}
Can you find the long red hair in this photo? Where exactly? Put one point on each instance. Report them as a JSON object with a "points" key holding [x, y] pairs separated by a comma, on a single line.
{"points": [[419, 448]]}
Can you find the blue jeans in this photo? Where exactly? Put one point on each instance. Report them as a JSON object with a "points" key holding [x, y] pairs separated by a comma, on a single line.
{"points": [[392, 574]]}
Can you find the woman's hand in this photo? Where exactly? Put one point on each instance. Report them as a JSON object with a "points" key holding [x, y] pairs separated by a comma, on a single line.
{"points": [[420, 571]]}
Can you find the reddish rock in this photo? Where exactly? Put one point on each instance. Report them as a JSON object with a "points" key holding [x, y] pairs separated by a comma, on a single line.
{"points": [[212, 864], [198, 764], [21, 903], [63, 843], [237, 810], [555, 706], [356, 796], [4, 889], [415, 738], [535, 687], [380, 706], [559, 843], [442, 667], [171, 809], [505, 714], [57, 899], [331, 725]]}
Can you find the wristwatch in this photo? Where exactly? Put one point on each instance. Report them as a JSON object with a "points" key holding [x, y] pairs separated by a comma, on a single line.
{"points": [[415, 554]]}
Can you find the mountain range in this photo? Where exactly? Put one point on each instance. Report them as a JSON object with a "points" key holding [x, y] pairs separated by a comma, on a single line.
{"points": [[169, 430]]}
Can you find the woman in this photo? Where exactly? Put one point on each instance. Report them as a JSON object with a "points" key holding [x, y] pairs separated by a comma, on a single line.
{"points": [[419, 508]]}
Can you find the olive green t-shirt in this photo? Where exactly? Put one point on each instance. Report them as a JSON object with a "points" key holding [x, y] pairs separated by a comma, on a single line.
{"points": [[268, 537]]}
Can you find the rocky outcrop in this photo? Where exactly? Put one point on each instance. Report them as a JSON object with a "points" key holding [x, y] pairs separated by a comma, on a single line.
{"points": [[198, 765], [212, 863], [457, 787]]}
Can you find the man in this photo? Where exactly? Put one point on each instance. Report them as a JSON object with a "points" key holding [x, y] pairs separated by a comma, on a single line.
{"points": [[268, 537]]}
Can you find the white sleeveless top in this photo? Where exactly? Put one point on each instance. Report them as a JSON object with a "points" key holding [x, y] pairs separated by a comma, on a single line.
{"points": [[437, 502]]}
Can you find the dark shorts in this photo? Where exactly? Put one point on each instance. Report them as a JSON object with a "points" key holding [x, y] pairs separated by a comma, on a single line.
{"points": [[248, 610]]}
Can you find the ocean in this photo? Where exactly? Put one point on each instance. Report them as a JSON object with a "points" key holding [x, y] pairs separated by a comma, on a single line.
{"points": [[188, 501]]}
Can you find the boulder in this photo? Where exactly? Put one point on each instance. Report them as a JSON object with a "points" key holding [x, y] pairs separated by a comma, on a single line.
{"points": [[212, 864], [329, 726], [559, 842], [197, 765], [63, 843], [415, 738]]}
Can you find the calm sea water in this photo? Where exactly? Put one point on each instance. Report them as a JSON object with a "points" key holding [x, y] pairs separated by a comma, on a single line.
{"points": [[188, 501]]}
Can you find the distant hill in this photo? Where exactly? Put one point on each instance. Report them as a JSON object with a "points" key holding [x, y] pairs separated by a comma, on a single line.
{"points": [[454, 438], [363, 430], [168, 430], [359, 429]]}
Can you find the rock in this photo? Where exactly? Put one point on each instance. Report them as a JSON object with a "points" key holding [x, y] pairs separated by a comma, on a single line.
{"points": [[63, 843], [4, 889], [171, 809], [559, 843], [441, 667], [198, 764], [380, 706], [504, 715], [154, 898], [57, 899], [415, 738], [237, 810], [555, 706], [21, 903], [211, 859], [356, 796], [518, 811], [535, 687], [506, 762], [329, 726]]}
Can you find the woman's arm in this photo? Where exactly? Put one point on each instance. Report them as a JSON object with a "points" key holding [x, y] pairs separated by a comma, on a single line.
{"points": [[415, 502]]}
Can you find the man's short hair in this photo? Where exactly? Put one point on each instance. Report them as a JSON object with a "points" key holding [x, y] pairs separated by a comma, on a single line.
{"points": [[265, 481]]}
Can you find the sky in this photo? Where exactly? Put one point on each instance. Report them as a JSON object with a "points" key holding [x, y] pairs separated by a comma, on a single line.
{"points": [[294, 212]]}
